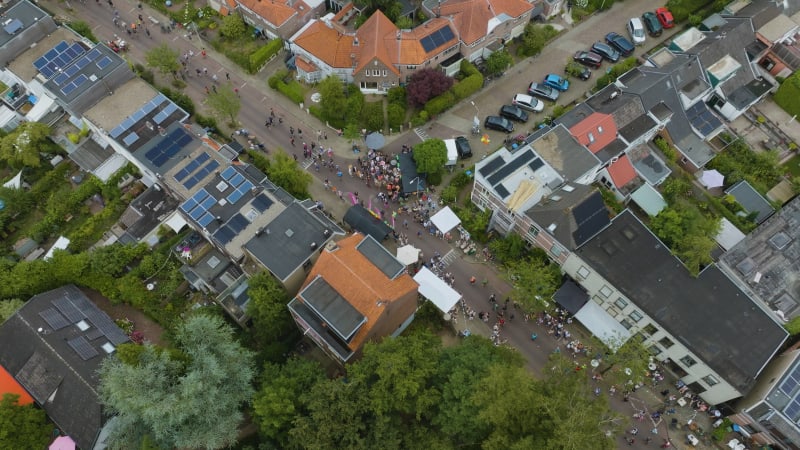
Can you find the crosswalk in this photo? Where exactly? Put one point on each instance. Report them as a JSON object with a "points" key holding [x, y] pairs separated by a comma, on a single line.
{"points": [[307, 162], [448, 258], [421, 134]]}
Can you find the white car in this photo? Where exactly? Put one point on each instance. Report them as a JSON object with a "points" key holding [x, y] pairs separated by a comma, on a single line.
{"points": [[636, 31], [527, 102]]}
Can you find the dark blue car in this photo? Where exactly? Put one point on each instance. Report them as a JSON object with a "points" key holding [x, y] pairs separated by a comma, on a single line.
{"points": [[621, 43]]}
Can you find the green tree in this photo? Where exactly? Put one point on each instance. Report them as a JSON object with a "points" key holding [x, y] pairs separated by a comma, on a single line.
{"points": [[233, 27], [286, 173], [21, 147], [225, 103], [267, 308], [283, 396], [509, 250], [333, 100], [187, 398], [9, 307], [535, 281], [430, 156], [23, 427], [498, 62], [390, 8], [688, 232], [535, 37], [164, 59], [628, 362]]}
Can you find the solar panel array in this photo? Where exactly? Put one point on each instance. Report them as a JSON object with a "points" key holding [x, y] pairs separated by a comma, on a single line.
{"points": [[131, 120], [511, 167], [261, 203], [491, 166], [165, 113], [168, 147], [437, 38], [192, 166], [58, 58], [201, 174], [591, 216], [197, 207], [83, 348], [703, 119], [66, 307], [238, 223], [54, 319], [239, 184]]}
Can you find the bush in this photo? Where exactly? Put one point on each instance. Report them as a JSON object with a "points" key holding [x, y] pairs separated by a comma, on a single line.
{"points": [[420, 118], [441, 103], [788, 94], [180, 99], [397, 95], [372, 116], [207, 122], [83, 29], [669, 152], [467, 86], [467, 68], [396, 115], [617, 70], [292, 90], [144, 73], [263, 54]]}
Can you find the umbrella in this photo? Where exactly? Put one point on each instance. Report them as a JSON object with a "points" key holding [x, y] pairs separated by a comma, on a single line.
{"points": [[712, 179], [63, 443], [408, 254], [375, 141], [485, 139]]}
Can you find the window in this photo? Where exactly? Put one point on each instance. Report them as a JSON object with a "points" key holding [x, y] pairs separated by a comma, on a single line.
{"points": [[367, 71], [411, 67], [654, 350], [636, 316], [605, 291], [384, 73], [650, 329], [626, 324], [710, 380], [612, 312], [583, 272], [666, 342], [688, 361], [533, 231], [621, 303]]}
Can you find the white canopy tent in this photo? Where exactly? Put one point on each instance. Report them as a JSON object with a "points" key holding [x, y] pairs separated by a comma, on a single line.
{"points": [[602, 325], [436, 290], [445, 220], [408, 254], [452, 152], [712, 179], [14, 183], [176, 222]]}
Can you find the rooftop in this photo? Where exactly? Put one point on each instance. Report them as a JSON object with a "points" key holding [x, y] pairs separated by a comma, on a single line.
{"points": [[477, 18], [73, 69], [152, 206], [162, 149], [60, 338], [649, 199], [572, 215], [751, 200], [564, 153], [648, 165], [506, 173], [290, 239], [621, 171], [25, 23], [596, 132], [709, 314], [22, 64]]}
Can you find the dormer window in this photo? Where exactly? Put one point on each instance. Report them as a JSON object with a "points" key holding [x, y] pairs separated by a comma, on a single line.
{"points": [[591, 138], [599, 130]]}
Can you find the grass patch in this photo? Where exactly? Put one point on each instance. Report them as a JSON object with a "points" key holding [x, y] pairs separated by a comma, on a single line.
{"points": [[788, 95], [792, 166], [238, 50]]}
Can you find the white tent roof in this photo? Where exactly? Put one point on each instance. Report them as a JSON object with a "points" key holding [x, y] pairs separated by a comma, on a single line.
{"points": [[408, 254], [602, 325], [452, 151], [445, 220], [61, 244], [14, 183], [436, 290], [712, 179], [176, 222], [728, 235]]}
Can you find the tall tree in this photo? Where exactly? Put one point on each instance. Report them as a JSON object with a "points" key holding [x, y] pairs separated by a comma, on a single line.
{"points": [[535, 280], [286, 173], [225, 103], [164, 59], [9, 307], [190, 397], [426, 84], [498, 62], [333, 100], [22, 427], [430, 156], [233, 27], [21, 147], [267, 307]]}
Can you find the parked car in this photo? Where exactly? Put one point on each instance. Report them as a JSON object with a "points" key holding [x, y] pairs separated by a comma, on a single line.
{"points": [[636, 31], [652, 24], [498, 123], [556, 82], [576, 70], [620, 42], [542, 91], [463, 148], [665, 17], [590, 59], [606, 51], [528, 103], [514, 113]]}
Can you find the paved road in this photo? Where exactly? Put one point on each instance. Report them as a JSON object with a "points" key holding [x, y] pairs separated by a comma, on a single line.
{"points": [[257, 99]]}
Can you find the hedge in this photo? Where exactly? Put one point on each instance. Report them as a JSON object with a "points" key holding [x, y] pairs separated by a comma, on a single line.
{"points": [[263, 54], [467, 68], [180, 99], [467, 86], [440, 103], [293, 90]]}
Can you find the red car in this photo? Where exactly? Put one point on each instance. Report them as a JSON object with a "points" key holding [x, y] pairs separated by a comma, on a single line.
{"points": [[665, 17]]}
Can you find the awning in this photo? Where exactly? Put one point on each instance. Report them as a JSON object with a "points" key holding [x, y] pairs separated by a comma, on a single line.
{"points": [[362, 220], [14, 183], [63, 443], [410, 179], [408, 254], [176, 222], [712, 179], [452, 152], [436, 290], [571, 297], [602, 325], [445, 220]]}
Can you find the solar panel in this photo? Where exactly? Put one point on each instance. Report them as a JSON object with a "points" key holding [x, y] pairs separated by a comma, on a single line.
{"points": [[61, 78], [262, 203], [148, 108], [65, 307], [491, 166], [200, 195], [511, 167], [224, 235], [83, 348], [191, 182], [93, 334], [234, 197], [103, 63], [160, 117], [208, 202], [228, 173], [170, 108], [54, 319], [66, 90], [236, 180], [501, 191], [197, 212], [115, 335], [131, 138], [427, 44], [536, 164], [183, 173], [188, 205], [246, 186], [238, 223], [138, 115], [206, 219]]}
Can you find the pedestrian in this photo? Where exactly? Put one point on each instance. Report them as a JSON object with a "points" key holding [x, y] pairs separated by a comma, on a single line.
{"points": [[214, 88], [472, 280], [484, 282], [492, 298], [214, 78], [228, 76], [292, 141], [207, 91], [205, 71], [630, 441], [236, 91], [291, 131], [147, 32], [299, 132], [202, 52], [199, 72], [272, 112]]}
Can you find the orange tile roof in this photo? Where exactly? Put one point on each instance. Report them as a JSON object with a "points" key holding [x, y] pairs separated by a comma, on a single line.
{"points": [[372, 37], [276, 12], [472, 16], [305, 66], [411, 50], [8, 385], [359, 282], [595, 131], [330, 46], [621, 171], [223, 11]]}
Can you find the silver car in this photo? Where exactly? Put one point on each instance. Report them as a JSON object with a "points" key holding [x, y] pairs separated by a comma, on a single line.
{"points": [[527, 103]]}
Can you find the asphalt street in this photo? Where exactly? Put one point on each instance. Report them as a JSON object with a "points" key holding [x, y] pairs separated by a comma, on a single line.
{"points": [[258, 99]]}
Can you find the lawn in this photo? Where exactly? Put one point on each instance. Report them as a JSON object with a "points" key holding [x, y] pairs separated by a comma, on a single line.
{"points": [[792, 166], [788, 95]]}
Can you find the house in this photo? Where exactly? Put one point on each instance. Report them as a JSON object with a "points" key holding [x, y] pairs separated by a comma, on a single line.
{"points": [[776, 34], [142, 218], [277, 19], [751, 201], [60, 338], [769, 414], [708, 332], [767, 261], [356, 292]]}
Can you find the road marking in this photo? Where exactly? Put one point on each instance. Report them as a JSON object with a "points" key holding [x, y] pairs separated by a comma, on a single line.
{"points": [[243, 85]]}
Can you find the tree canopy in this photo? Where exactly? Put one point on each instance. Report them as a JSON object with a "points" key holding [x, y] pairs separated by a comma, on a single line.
{"points": [[164, 59], [233, 27], [189, 397], [430, 156], [688, 232], [23, 427], [21, 147], [535, 280], [333, 100], [267, 308], [225, 102], [426, 84], [498, 62]]}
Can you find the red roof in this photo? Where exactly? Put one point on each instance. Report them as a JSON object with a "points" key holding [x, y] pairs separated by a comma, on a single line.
{"points": [[621, 171], [8, 385], [595, 131]]}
